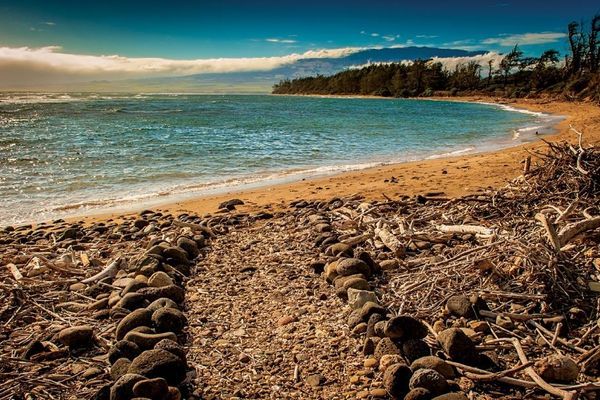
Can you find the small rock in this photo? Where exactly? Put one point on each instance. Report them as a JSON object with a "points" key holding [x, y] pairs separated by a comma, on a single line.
{"points": [[460, 306], [504, 322], [451, 396], [413, 349], [244, 358], [168, 320], [172, 347], [154, 389], [457, 345], [76, 336], [161, 303], [123, 349], [159, 279], [389, 359], [132, 301], [91, 373], [315, 380], [359, 329], [173, 292], [357, 298], [77, 287], [418, 394], [147, 341], [189, 245], [557, 368], [119, 368], [285, 320], [159, 363], [123, 387], [429, 379], [339, 249], [395, 380], [378, 393], [404, 327], [370, 308], [386, 346], [352, 266], [370, 363], [435, 363], [139, 317], [388, 265]]}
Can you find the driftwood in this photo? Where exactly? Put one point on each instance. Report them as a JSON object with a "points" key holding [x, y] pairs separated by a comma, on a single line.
{"points": [[390, 241], [571, 230], [109, 271], [472, 229]]}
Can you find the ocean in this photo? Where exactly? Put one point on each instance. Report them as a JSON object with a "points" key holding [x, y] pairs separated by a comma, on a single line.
{"points": [[74, 154]]}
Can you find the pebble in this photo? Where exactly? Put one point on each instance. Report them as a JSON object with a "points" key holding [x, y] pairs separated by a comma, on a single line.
{"points": [[388, 265], [189, 245], [396, 379], [91, 373], [460, 306], [122, 389], [315, 380], [168, 320], [435, 363], [378, 393], [172, 347], [160, 303], [557, 368], [154, 389], [285, 320], [357, 298], [386, 346], [429, 379], [159, 279], [370, 363], [352, 266], [139, 317], [370, 308], [159, 363], [173, 292], [413, 349], [148, 340], [123, 349], [119, 368], [404, 327], [76, 336], [457, 345], [389, 359]]}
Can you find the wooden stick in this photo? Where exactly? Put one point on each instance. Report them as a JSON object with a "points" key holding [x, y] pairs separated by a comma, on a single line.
{"points": [[550, 231]]}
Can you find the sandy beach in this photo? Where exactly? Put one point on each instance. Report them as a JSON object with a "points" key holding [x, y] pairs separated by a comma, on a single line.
{"points": [[448, 176]]}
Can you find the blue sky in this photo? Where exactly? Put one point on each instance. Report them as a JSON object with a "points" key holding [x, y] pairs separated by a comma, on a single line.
{"points": [[203, 29], [56, 42]]}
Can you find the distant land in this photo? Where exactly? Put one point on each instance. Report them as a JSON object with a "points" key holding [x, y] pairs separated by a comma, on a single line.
{"points": [[262, 81]]}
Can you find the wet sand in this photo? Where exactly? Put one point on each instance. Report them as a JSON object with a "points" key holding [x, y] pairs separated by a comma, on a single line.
{"points": [[449, 176]]}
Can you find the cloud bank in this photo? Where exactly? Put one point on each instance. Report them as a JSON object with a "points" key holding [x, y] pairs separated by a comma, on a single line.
{"points": [[26, 66], [526, 39]]}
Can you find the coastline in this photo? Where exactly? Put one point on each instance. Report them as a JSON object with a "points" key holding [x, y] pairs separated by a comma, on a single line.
{"points": [[450, 176]]}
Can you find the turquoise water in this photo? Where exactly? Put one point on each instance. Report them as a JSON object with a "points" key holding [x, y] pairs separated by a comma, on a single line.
{"points": [[67, 154]]}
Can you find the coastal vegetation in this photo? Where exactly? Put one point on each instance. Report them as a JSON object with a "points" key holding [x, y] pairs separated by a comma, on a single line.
{"points": [[514, 75]]}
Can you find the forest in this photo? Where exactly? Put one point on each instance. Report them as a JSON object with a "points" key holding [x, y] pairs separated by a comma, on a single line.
{"points": [[576, 76]]}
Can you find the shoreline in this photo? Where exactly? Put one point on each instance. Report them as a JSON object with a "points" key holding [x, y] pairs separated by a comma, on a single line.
{"points": [[452, 175]]}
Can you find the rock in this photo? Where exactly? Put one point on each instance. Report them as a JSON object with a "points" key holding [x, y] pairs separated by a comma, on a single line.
{"points": [[189, 245], [132, 301], [357, 297], [139, 317], [77, 287], [331, 272], [122, 389], [123, 349], [70, 233], [323, 228], [557, 368], [91, 372], [429, 379], [352, 266], [452, 396], [286, 320], [379, 328], [373, 320], [370, 308], [76, 336], [174, 394], [133, 286], [389, 359], [119, 368], [354, 318], [369, 345], [159, 363], [244, 358], [154, 389], [315, 380], [160, 303], [173, 292], [147, 341], [386, 346], [172, 347], [418, 394], [352, 283], [341, 280], [339, 249], [359, 329], [457, 345], [404, 327], [460, 306], [504, 322], [230, 204], [435, 363], [159, 279], [370, 363], [378, 393], [168, 320], [176, 254], [388, 265], [395, 380], [413, 349]]}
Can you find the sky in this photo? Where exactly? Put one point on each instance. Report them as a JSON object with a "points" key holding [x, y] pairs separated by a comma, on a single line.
{"points": [[102, 39]]}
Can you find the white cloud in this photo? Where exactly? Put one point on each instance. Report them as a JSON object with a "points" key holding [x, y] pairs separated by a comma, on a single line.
{"points": [[374, 34], [275, 40], [525, 38], [451, 63], [25, 65], [427, 36], [49, 23], [389, 38]]}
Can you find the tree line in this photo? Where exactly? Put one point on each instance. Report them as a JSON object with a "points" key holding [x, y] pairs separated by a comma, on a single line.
{"points": [[516, 75]]}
